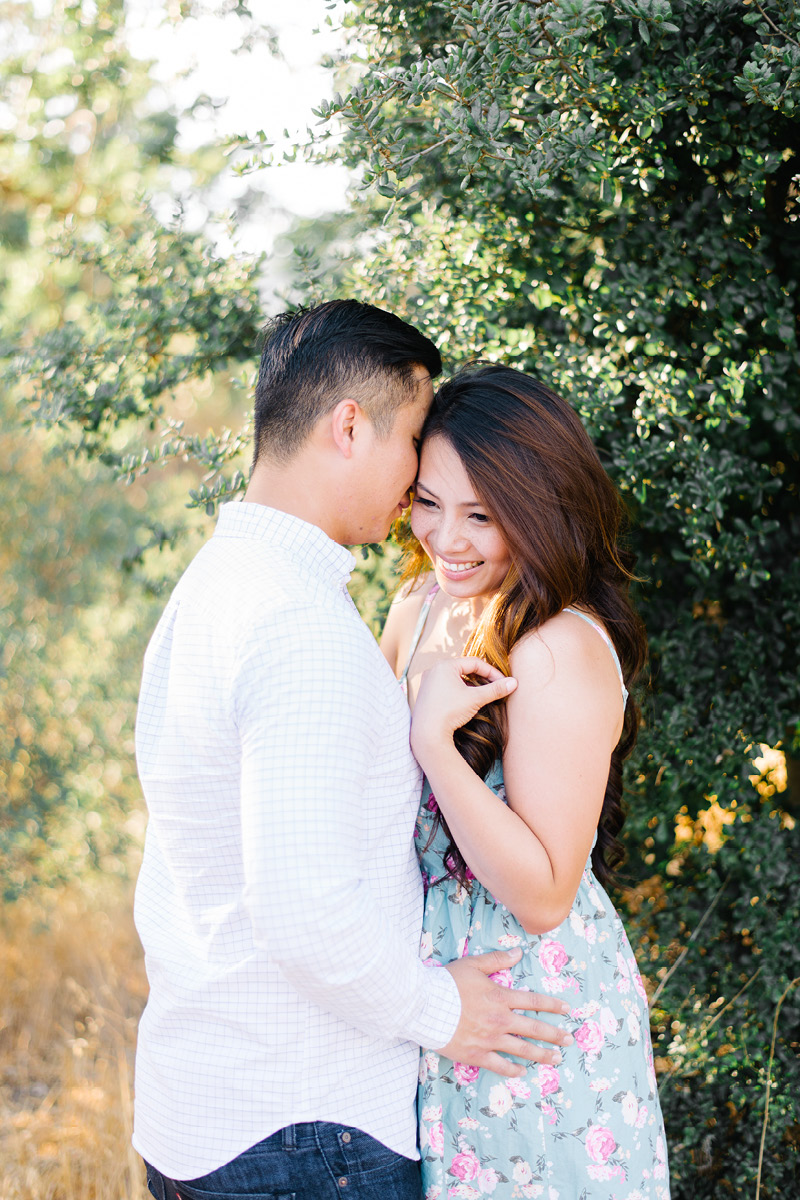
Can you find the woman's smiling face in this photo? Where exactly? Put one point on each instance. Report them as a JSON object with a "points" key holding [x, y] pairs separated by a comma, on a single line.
{"points": [[467, 550]]}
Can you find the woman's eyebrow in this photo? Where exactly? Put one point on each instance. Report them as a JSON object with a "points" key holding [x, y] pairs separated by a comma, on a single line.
{"points": [[425, 488], [461, 504]]}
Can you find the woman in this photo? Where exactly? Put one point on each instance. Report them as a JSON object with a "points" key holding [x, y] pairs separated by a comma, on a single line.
{"points": [[521, 805]]}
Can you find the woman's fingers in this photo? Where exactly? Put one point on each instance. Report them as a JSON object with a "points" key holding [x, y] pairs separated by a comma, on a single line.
{"points": [[485, 693], [470, 665]]}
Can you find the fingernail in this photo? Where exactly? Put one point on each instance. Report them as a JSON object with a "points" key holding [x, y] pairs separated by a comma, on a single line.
{"points": [[555, 1058], [567, 1039], [565, 1008]]}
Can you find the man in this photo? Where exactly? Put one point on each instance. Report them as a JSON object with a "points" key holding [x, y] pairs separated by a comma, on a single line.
{"points": [[279, 902]]}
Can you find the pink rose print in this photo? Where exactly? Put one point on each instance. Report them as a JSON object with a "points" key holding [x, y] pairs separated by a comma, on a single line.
{"points": [[552, 956], [436, 1138], [507, 940], [518, 1088], [465, 1166], [549, 1080], [604, 1172], [522, 1172], [554, 984], [502, 978], [431, 804], [660, 1169], [589, 1037], [638, 985], [600, 1144], [608, 1022], [500, 1100], [651, 1070], [465, 1073], [550, 1113], [630, 1108], [488, 1180]]}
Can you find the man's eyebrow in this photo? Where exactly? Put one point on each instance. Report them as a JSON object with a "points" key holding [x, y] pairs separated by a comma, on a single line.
{"points": [[461, 504]]}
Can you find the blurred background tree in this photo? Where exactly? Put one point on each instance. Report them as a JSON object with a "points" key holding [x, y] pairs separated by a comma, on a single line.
{"points": [[605, 194], [87, 149]]}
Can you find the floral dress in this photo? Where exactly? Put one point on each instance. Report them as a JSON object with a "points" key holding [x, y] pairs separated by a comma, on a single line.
{"points": [[589, 1129]]}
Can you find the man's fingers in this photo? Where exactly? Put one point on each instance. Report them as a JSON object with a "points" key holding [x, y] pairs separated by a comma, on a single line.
{"points": [[493, 1060], [501, 960], [500, 1066], [542, 1031], [521, 1048], [538, 1002], [495, 960]]}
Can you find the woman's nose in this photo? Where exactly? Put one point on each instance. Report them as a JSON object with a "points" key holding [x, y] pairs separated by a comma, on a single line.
{"points": [[451, 536]]}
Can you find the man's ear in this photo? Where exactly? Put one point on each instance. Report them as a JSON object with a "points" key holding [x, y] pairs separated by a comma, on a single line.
{"points": [[344, 421]]}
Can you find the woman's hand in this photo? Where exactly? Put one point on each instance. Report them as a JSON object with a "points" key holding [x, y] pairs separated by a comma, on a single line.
{"points": [[446, 702]]}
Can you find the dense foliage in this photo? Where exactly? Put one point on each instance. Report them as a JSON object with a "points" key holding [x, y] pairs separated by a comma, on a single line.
{"points": [[97, 296], [71, 637]]}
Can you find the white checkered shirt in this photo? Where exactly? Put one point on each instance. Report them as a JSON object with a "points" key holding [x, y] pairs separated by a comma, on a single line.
{"points": [[279, 902]]}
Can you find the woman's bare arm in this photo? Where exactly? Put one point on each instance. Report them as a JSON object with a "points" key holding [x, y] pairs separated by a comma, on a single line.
{"points": [[564, 719]]}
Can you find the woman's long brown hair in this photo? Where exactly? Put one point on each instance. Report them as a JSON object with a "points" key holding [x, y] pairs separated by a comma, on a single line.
{"points": [[538, 475]]}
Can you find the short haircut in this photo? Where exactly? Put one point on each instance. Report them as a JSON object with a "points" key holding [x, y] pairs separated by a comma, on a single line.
{"points": [[315, 357]]}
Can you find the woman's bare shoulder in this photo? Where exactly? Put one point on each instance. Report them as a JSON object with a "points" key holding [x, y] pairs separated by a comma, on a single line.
{"points": [[565, 647], [402, 618]]}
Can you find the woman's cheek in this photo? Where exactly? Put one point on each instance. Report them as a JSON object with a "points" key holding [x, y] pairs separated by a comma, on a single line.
{"points": [[420, 526]]}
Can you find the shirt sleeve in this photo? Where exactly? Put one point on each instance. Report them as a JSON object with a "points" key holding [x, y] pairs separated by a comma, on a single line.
{"points": [[306, 699]]}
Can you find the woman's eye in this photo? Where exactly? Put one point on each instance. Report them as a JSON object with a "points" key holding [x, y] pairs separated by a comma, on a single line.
{"points": [[480, 517], [424, 501]]}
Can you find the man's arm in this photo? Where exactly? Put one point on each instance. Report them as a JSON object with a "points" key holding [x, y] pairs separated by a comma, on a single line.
{"points": [[307, 704]]}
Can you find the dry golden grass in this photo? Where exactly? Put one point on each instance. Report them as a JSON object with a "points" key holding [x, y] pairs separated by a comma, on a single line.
{"points": [[72, 986]]}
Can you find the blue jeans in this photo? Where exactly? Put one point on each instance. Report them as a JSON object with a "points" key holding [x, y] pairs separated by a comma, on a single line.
{"points": [[310, 1161]]}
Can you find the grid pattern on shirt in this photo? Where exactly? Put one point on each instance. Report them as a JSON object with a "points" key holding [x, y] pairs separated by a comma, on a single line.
{"points": [[279, 901]]}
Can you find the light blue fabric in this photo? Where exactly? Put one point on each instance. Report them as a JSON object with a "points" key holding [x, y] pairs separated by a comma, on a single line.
{"points": [[590, 1129]]}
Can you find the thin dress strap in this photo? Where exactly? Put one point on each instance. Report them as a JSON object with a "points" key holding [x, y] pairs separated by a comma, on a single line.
{"points": [[610, 645], [418, 628]]}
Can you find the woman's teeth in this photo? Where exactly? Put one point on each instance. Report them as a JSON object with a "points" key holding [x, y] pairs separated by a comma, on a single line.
{"points": [[458, 567]]}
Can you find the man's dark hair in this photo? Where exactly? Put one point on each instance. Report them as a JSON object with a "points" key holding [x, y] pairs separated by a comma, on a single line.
{"points": [[315, 357]]}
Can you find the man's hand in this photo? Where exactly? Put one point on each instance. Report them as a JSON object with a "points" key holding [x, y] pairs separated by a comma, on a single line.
{"points": [[490, 1025]]}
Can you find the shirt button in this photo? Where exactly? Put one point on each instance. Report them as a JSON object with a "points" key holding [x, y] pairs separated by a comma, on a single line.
{"points": [[343, 1182], [345, 1136]]}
